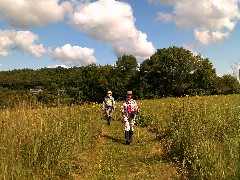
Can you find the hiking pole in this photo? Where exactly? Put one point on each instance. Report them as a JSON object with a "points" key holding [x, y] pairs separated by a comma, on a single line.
{"points": [[123, 126], [138, 134]]}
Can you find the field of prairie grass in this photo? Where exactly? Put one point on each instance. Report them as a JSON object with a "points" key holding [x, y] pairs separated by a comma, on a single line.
{"points": [[46, 143], [200, 134], [189, 137]]}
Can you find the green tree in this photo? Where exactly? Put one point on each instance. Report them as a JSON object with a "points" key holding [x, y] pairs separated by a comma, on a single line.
{"points": [[175, 71], [203, 78], [95, 82], [227, 84], [123, 75]]}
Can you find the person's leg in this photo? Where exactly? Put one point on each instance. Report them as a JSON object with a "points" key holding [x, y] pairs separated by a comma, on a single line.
{"points": [[110, 115], [131, 125], [127, 137], [108, 120], [127, 129], [107, 115]]}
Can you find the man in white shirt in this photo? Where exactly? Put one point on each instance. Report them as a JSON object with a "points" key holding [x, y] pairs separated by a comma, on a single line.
{"points": [[109, 106]]}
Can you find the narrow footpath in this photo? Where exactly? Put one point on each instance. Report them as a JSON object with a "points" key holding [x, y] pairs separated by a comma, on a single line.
{"points": [[143, 159]]}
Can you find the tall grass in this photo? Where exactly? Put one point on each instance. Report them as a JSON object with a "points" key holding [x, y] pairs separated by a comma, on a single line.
{"points": [[200, 133], [46, 143]]}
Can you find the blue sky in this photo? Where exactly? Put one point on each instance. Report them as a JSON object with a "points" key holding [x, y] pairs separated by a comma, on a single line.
{"points": [[46, 33]]}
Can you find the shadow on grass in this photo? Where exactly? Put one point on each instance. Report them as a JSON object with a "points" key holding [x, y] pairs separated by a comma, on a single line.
{"points": [[116, 140]]}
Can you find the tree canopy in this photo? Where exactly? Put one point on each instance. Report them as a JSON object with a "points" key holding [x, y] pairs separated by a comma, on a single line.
{"points": [[172, 71]]}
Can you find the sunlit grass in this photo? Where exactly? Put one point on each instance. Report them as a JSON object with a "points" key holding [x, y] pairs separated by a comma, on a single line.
{"points": [[200, 134], [46, 143]]}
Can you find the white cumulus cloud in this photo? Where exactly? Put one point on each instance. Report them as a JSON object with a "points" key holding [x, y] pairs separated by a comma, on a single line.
{"points": [[205, 36], [19, 40], [73, 55], [190, 47], [56, 66], [26, 13], [212, 20], [112, 22]]}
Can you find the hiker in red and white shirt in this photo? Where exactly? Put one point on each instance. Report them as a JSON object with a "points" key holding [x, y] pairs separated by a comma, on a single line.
{"points": [[129, 109]]}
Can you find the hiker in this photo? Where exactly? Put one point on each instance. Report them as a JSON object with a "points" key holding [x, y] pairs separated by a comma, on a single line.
{"points": [[108, 106], [129, 109]]}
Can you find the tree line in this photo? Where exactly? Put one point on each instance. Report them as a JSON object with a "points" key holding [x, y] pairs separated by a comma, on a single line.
{"points": [[170, 72]]}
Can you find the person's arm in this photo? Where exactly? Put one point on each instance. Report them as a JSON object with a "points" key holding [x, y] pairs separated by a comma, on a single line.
{"points": [[136, 109], [123, 110], [113, 103], [104, 104], [123, 107]]}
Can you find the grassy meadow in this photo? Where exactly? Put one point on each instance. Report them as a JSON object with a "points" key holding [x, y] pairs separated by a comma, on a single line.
{"points": [[176, 138]]}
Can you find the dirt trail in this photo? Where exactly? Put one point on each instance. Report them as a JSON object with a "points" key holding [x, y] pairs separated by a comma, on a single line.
{"points": [[143, 159]]}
